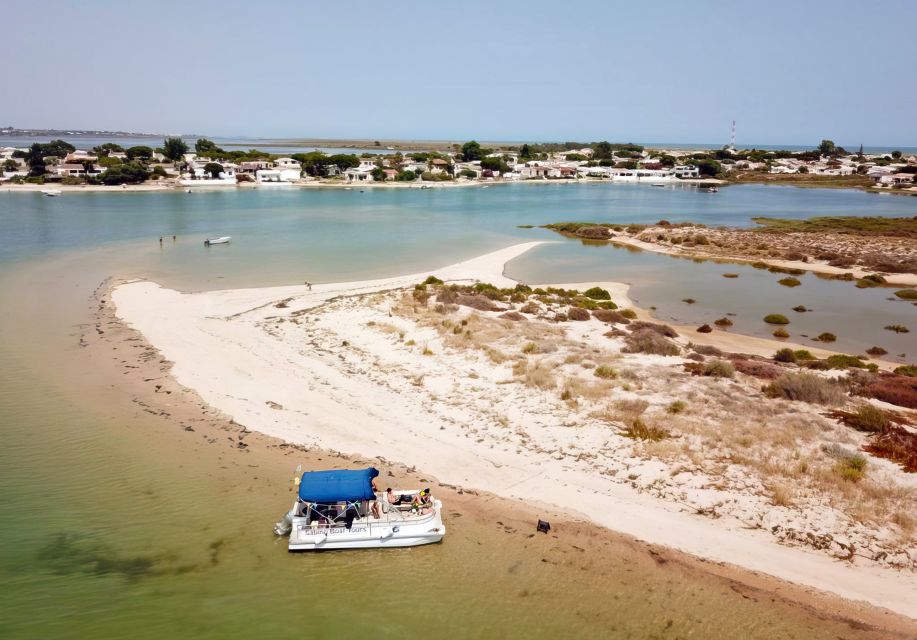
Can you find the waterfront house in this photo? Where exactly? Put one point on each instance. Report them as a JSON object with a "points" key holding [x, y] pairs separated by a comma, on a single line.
{"points": [[686, 171], [359, 174], [290, 169], [438, 165], [80, 156], [74, 170]]}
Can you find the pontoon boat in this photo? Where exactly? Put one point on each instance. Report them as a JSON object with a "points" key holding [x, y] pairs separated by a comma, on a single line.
{"points": [[334, 510], [220, 240]]}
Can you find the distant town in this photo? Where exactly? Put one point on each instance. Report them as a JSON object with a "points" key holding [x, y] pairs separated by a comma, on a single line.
{"points": [[176, 164]]}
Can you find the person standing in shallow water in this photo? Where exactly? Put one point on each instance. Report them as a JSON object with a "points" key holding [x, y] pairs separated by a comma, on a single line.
{"points": [[160, 241]]}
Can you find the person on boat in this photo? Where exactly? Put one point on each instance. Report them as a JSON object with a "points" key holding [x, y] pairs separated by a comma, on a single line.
{"points": [[422, 501], [374, 507]]}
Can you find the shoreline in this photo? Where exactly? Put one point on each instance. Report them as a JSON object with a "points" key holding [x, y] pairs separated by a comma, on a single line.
{"points": [[198, 323], [905, 279], [152, 387], [317, 184]]}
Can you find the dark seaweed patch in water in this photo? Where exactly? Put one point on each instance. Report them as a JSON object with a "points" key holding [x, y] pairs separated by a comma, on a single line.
{"points": [[69, 553]]}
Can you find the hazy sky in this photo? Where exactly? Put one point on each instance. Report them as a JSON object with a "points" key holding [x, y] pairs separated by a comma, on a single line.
{"points": [[788, 71]]}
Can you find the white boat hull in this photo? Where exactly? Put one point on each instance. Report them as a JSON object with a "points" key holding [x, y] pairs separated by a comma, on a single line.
{"points": [[389, 531]]}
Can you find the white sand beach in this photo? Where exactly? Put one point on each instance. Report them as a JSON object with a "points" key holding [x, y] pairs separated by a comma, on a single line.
{"points": [[311, 366]]}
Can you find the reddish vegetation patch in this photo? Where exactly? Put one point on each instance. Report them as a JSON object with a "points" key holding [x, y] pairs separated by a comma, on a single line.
{"points": [[894, 389], [694, 368], [896, 444], [577, 313], [607, 315], [479, 302], [662, 329], [594, 233], [756, 368], [704, 328]]}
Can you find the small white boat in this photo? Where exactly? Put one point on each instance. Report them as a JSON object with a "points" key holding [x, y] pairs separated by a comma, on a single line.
{"points": [[713, 190], [52, 193], [220, 240], [334, 510]]}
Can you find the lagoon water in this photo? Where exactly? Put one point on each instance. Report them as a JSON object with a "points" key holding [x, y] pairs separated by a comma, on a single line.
{"points": [[106, 531]]}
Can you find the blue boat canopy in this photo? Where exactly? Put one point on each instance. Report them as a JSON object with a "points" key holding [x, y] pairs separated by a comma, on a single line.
{"points": [[328, 487]]}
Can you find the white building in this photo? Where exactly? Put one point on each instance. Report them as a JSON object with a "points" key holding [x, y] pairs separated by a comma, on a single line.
{"points": [[197, 175], [72, 170], [686, 171]]}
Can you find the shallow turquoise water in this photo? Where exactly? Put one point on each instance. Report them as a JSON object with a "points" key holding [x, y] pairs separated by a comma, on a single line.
{"points": [[294, 235]]}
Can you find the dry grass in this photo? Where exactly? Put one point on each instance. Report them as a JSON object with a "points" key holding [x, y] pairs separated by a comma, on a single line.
{"points": [[575, 387], [539, 374], [806, 387], [639, 430], [776, 443], [782, 494]]}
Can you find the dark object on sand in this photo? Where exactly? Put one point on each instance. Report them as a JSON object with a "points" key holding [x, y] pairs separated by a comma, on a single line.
{"points": [[543, 526]]}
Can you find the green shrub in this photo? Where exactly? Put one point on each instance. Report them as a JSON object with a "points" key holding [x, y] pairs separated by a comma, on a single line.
{"points": [[607, 304], [597, 293], [897, 328], [817, 365], [776, 318], [803, 354], [852, 467], [799, 309], [907, 294], [909, 370], [781, 333], [785, 355], [432, 280], [876, 352], [630, 314], [789, 282], [869, 419], [530, 347], [826, 337], [719, 369], [841, 361], [605, 372], [676, 407]]}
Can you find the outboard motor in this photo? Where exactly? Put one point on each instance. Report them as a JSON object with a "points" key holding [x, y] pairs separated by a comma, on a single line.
{"points": [[284, 526]]}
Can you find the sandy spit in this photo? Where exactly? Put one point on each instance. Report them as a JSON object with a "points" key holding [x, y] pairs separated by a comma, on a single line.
{"points": [[220, 351]]}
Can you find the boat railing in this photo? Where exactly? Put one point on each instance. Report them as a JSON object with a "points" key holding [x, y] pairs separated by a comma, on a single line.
{"points": [[386, 521]]}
